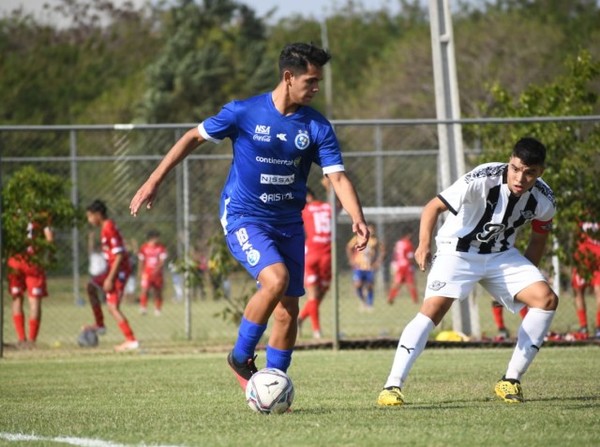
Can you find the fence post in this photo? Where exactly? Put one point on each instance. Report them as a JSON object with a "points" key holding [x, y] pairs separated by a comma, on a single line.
{"points": [[75, 230], [187, 296]]}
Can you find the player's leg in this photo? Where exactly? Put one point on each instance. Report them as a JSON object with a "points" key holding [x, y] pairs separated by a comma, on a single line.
{"points": [[144, 287], [412, 287], [370, 288], [357, 281], [596, 286], [410, 346], [454, 275], [498, 316], [578, 285], [515, 281], [16, 288], [94, 288], [36, 290], [393, 292], [113, 304], [283, 334], [158, 296]]}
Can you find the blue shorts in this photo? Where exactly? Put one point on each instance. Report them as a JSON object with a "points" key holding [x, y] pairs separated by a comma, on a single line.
{"points": [[258, 245], [364, 276]]}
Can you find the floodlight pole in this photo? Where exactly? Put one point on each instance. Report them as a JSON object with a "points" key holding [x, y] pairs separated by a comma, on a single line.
{"points": [[451, 164]]}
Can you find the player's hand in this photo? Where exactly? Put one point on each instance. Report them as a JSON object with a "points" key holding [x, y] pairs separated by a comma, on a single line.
{"points": [[145, 194], [423, 257], [108, 285], [362, 235]]}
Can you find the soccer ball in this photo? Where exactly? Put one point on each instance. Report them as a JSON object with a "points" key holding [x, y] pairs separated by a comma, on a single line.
{"points": [[270, 390], [87, 338]]}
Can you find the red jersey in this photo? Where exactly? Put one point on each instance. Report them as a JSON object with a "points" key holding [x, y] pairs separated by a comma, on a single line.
{"points": [[152, 257], [112, 245], [404, 252], [588, 237], [317, 226]]}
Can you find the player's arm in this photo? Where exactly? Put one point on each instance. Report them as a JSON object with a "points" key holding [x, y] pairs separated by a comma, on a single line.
{"points": [[181, 149], [344, 190], [429, 218], [109, 282], [536, 247]]}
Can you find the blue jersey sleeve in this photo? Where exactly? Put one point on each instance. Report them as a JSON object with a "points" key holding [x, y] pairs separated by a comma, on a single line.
{"points": [[220, 126], [328, 155]]}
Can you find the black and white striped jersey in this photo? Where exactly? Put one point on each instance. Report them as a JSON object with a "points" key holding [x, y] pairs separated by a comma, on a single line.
{"points": [[484, 216]]}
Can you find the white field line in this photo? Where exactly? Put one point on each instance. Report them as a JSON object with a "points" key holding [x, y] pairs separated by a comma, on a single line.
{"points": [[81, 442]]}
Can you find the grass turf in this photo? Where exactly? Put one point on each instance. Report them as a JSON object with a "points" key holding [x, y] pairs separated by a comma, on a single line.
{"points": [[193, 399]]}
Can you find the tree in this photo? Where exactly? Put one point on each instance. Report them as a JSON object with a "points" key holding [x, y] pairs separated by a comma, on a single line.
{"points": [[32, 196], [573, 163], [214, 52]]}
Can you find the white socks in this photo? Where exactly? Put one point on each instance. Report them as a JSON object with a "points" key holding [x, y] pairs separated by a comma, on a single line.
{"points": [[411, 344], [533, 328]]}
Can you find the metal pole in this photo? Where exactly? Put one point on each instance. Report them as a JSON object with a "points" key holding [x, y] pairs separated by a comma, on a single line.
{"points": [[327, 73], [75, 229], [451, 157], [186, 244], [335, 291], [381, 274], [1, 265]]}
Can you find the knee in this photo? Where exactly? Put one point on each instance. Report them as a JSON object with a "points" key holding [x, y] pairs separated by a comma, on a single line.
{"points": [[276, 285], [549, 301]]}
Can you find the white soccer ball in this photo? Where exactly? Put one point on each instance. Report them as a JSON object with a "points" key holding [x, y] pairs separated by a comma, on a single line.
{"points": [[270, 391]]}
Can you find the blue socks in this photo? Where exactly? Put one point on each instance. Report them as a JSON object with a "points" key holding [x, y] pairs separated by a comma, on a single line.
{"points": [[249, 335], [279, 358]]}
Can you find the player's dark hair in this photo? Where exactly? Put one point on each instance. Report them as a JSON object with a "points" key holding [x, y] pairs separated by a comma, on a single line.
{"points": [[530, 151], [310, 192], [296, 57], [98, 206], [152, 234]]}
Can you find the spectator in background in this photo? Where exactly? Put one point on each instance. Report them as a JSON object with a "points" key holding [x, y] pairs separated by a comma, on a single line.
{"points": [[402, 265], [25, 275], [364, 264], [586, 274], [316, 216], [112, 282], [152, 256]]}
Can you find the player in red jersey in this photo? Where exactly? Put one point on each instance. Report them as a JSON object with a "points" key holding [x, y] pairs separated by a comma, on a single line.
{"points": [[152, 255], [25, 275], [586, 274], [317, 270], [403, 259], [112, 281]]}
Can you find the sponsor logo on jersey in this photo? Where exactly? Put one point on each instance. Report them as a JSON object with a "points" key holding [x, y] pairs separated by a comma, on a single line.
{"points": [[275, 161], [275, 197], [282, 136], [302, 140], [252, 254], [269, 179], [262, 133]]}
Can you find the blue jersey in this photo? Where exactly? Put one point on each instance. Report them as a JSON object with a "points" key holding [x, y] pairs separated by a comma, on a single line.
{"points": [[272, 156]]}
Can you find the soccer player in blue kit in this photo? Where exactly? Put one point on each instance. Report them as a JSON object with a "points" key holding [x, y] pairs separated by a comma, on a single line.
{"points": [[275, 138]]}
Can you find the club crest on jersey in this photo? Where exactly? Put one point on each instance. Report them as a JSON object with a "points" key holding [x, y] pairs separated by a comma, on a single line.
{"points": [[527, 214], [253, 256], [302, 140]]}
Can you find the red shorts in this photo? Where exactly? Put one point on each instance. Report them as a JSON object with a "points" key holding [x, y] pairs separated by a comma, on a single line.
{"points": [[114, 296], [404, 274], [317, 269], [152, 281], [23, 275], [579, 283]]}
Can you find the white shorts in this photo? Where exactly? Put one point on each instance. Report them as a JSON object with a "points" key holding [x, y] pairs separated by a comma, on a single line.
{"points": [[503, 275]]}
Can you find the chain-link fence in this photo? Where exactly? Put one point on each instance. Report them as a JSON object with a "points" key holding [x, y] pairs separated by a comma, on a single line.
{"points": [[393, 165]]}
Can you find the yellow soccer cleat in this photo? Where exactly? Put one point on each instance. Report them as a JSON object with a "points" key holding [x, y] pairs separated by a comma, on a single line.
{"points": [[390, 396], [509, 390]]}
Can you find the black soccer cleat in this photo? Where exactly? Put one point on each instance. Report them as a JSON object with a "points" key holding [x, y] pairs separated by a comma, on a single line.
{"points": [[242, 371]]}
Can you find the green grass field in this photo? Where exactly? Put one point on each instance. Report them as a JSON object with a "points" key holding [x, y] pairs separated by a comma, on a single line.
{"points": [[191, 399]]}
